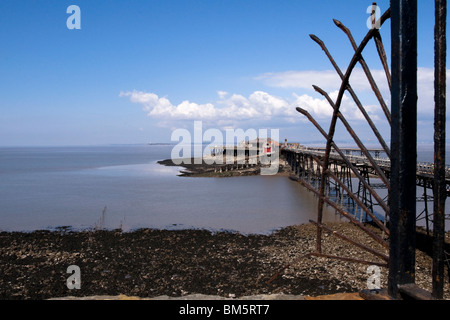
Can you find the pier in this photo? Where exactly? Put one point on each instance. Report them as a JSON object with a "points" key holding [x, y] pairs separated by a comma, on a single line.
{"points": [[348, 163]]}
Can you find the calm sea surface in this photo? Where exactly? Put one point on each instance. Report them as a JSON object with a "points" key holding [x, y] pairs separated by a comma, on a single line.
{"points": [[50, 187], [45, 188]]}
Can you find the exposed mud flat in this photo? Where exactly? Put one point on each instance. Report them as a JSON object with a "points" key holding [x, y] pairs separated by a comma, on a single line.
{"points": [[176, 263]]}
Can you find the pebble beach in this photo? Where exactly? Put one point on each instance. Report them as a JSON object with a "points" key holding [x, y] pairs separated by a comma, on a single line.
{"points": [[149, 263]]}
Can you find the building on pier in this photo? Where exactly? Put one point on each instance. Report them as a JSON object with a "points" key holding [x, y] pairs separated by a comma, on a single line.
{"points": [[256, 147]]}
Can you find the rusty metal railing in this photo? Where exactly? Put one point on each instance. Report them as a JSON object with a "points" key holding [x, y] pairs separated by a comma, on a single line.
{"points": [[440, 193], [337, 115], [398, 208]]}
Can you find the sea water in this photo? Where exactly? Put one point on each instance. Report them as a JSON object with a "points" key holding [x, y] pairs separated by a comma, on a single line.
{"points": [[124, 187]]}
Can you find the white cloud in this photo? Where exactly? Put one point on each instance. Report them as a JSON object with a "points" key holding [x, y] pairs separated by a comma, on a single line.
{"points": [[163, 108], [259, 105], [222, 94], [260, 108], [231, 109], [326, 79], [425, 90], [318, 108], [329, 80], [321, 108], [300, 79]]}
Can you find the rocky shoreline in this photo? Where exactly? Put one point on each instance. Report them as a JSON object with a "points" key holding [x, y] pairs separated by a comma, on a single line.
{"points": [[177, 264], [150, 263]]}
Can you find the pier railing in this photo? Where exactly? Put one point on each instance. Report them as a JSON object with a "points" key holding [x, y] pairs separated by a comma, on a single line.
{"points": [[382, 161], [399, 171]]}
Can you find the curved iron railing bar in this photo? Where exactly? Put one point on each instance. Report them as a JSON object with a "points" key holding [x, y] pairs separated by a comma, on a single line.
{"points": [[383, 58], [356, 243], [355, 137], [345, 214], [355, 198], [366, 69], [380, 201], [343, 88], [329, 256], [354, 96]]}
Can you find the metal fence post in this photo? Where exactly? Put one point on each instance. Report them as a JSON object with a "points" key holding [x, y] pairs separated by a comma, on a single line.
{"points": [[403, 144], [439, 191]]}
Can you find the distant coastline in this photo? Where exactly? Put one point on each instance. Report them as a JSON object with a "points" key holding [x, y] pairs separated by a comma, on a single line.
{"points": [[160, 144]]}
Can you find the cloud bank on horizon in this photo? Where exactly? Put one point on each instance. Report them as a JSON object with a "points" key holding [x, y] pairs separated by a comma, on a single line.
{"points": [[233, 109]]}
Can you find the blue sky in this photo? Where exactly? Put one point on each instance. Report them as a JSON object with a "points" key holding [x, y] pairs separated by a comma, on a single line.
{"points": [[137, 70]]}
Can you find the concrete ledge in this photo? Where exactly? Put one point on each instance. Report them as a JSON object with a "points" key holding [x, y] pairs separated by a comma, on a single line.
{"points": [[188, 297]]}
